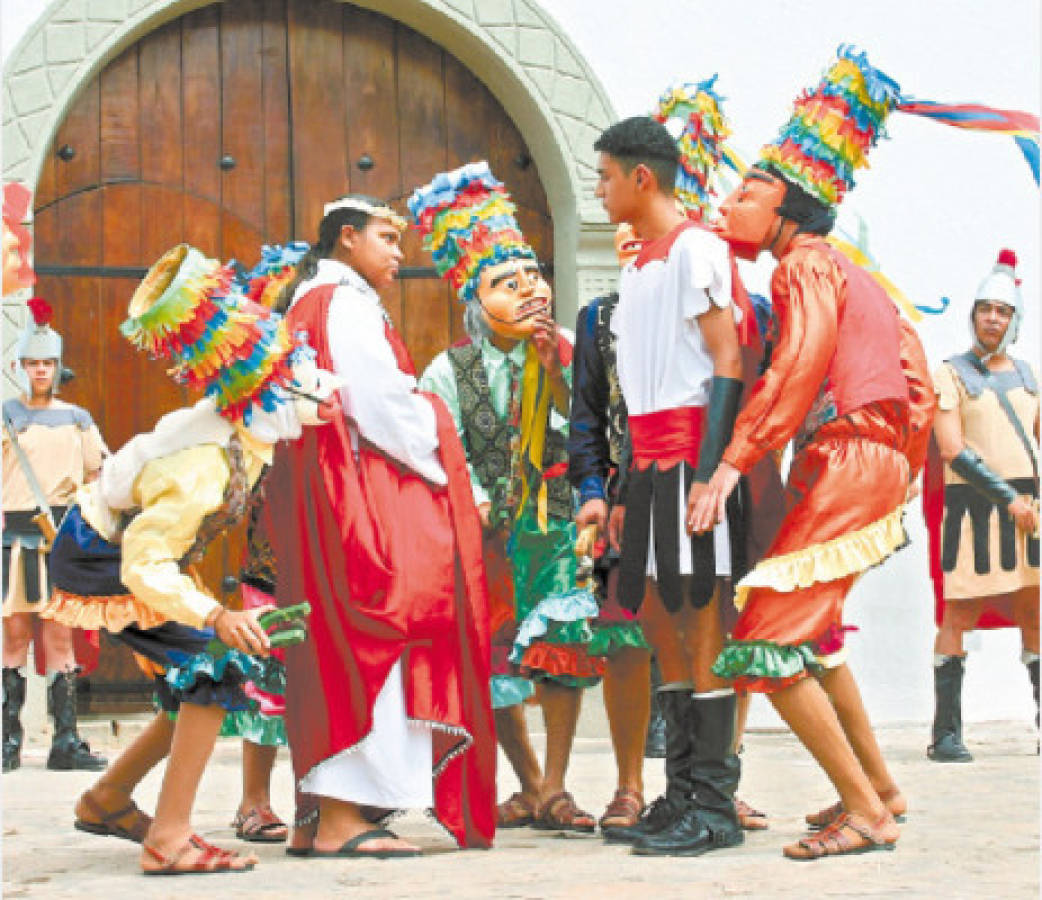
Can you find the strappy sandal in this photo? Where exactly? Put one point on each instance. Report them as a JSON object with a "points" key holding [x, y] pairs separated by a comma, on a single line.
{"points": [[107, 824], [559, 813], [514, 812], [833, 839], [624, 811], [750, 818], [260, 826], [213, 860], [825, 817]]}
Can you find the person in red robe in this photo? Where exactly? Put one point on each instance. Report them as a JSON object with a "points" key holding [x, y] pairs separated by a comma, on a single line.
{"points": [[373, 523]]}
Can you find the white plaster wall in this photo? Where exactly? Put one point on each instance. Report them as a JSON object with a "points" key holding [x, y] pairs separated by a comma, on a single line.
{"points": [[939, 204]]}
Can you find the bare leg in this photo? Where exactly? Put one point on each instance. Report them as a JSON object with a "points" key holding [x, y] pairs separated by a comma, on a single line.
{"points": [[662, 631], [1025, 614], [846, 699], [561, 714], [703, 634], [194, 737], [57, 645], [741, 718], [257, 763], [18, 633], [807, 711], [113, 790], [627, 703], [960, 616], [512, 733]]}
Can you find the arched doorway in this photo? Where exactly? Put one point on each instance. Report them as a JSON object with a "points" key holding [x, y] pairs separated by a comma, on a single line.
{"points": [[229, 127]]}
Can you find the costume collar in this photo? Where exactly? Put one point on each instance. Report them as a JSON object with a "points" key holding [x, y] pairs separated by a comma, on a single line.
{"points": [[516, 354], [333, 271], [659, 248]]}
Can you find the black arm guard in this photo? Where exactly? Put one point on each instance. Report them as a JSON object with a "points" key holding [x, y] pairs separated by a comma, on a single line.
{"points": [[972, 468], [724, 395], [624, 469]]}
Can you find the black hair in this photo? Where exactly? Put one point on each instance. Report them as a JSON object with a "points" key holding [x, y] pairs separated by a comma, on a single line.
{"points": [[640, 140], [328, 234], [810, 214]]}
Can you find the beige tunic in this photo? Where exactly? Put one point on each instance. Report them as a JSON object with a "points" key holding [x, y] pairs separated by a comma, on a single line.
{"points": [[987, 430], [65, 450]]}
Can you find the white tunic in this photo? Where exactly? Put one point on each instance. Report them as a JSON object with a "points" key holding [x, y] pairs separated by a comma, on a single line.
{"points": [[662, 358], [663, 361]]}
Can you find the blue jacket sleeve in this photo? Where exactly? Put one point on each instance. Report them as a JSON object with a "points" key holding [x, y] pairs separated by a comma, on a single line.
{"points": [[589, 456]]}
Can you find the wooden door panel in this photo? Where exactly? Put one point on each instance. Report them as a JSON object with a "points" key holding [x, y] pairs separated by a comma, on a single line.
{"points": [[296, 92]]}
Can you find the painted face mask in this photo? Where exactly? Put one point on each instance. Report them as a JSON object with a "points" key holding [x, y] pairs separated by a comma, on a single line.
{"points": [[512, 295], [627, 244], [749, 215]]}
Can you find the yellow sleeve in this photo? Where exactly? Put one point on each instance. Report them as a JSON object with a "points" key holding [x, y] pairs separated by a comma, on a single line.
{"points": [[946, 385], [175, 494]]}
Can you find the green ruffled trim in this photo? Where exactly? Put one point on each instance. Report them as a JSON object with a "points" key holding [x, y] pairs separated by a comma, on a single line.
{"points": [[764, 659], [255, 727], [610, 639]]}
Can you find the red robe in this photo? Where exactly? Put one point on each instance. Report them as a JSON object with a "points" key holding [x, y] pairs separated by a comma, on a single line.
{"points": [[392, 568]]}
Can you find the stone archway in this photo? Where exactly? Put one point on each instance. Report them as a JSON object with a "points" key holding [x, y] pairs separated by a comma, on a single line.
{"points": [[513, 46]]}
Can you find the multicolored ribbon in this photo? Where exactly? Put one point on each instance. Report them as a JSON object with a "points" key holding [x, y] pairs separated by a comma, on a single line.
{"points": [[1023, 127]]}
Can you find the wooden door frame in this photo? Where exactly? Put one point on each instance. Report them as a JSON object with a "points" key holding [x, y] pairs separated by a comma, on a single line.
{"points": [[515, 48]]}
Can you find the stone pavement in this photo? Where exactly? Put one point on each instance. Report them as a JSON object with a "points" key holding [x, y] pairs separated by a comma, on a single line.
{"points": [[972, 831]]}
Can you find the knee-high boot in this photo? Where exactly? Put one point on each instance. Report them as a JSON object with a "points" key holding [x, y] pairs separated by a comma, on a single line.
{"points": [[676, 709], [68, 750], [14, 700], [947, 743], [709, 820]]}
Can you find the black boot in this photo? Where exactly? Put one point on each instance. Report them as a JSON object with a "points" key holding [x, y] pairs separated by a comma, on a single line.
{"points": [[14, 699], [947, 743], [655, 741], [676, 709], [1033, 675], [68, 750], [709, 820]]}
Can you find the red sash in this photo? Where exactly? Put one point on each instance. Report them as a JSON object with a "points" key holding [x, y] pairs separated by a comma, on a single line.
{"points": [[667, 436]]}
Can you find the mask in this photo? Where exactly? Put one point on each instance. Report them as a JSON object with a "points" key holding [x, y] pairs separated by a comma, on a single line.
{"points": [[627, 244], [749, 217], [512, 295]]}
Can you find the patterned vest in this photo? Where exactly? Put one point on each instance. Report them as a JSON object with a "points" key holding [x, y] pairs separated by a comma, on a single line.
{"points": [[605, 340], [492, 443]]}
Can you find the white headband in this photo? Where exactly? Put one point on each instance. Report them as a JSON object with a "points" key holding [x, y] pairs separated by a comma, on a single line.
{"points": [[380, 212]]}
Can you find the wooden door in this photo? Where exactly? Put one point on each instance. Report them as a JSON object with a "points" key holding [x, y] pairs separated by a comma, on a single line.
{"points": [[229, 128]]}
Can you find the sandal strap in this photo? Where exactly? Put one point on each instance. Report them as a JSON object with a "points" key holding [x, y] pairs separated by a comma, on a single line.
{"points": [[626, 802]]}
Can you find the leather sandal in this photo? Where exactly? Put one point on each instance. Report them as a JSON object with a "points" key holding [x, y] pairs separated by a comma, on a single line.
{"points": [[750, 818], [108, 823], [260, 826], [213, 859], [515, 812], [560, 813], [825, 817], [624, 811], [835, 839]]}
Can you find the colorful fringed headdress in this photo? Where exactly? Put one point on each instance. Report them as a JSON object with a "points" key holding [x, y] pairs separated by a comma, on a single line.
{"points": [[692, 113], [186, 310], [277, 266], [834, 126], [467, 221]]}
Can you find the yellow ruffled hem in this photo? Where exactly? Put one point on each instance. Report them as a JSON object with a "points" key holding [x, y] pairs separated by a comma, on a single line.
{"points": [[847, 555], [111, 613]]}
